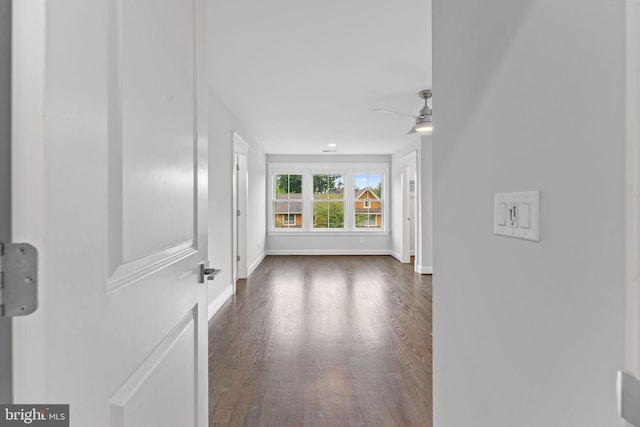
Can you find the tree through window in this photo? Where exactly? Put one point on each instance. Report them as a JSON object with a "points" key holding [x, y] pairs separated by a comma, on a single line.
{"points": [[328, 201]]}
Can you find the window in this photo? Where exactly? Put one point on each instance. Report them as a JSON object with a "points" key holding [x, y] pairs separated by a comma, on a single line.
{"points": [[328, 197], [371, 220], [287, 204], [368, 200], [328, 201]]}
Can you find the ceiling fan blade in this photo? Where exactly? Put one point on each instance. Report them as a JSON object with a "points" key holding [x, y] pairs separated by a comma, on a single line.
{"points": [[382, 110]]}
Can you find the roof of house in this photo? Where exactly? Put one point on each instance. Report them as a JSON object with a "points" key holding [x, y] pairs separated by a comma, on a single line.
{"points": [[360, 193], [288, 204]]}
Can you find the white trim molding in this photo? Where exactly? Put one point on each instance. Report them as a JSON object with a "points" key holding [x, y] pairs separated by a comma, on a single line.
{"points": [[329, 252], [256, 263], [217, 303], [396, 255], [424, 269]]}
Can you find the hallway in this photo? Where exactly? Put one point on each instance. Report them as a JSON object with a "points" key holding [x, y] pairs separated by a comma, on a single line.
{"points": [[323, 340]]}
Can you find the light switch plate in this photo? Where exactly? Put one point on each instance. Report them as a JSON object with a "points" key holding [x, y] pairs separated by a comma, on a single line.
{"points": [[517, 225]]}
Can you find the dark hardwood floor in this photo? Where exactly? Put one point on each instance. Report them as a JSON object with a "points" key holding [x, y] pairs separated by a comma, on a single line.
{"points": [[323, 341]]}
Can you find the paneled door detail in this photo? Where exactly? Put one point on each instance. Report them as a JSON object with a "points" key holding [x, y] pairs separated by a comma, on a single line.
{"points": [[121, 333]]}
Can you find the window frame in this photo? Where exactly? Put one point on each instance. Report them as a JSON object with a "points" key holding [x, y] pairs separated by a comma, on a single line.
{"points": [[348, 171], [315, 172], [272, 199], [367, 202]]}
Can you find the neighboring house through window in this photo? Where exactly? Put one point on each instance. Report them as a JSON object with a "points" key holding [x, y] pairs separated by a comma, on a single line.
{"points": [[368, 200]]}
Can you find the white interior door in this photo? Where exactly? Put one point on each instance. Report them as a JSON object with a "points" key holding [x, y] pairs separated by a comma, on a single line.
{"points": [[412, 215], [110, 173], [5, 183]]}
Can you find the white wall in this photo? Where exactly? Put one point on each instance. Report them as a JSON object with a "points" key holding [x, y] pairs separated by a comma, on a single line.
{"points": [[257, 216], [221, 127], [632, 339], [340, 243], [528, 95]]}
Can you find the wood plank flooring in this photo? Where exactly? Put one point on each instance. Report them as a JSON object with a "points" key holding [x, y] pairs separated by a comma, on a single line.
{"points": [[323, 341]]}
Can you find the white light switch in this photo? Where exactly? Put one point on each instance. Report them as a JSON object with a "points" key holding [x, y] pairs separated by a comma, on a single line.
{"points": [[517, 215], [501, 214], [525, 215]]}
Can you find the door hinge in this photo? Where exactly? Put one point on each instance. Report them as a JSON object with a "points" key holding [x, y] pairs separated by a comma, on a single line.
{"points": [[238, 258], [18, 279], [238, 212]]}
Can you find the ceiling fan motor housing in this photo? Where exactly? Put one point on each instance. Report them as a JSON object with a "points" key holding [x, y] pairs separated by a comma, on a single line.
{"points": [[425, 112]]}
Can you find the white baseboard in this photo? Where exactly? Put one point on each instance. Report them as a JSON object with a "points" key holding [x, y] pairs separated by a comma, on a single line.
{"points": [[396, 255], [424, 269], [215, 305], [256, 263], [329, 252]]}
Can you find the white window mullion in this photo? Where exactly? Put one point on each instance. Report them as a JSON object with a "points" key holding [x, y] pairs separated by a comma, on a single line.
{"points": [[349, 223], [307, 196]]}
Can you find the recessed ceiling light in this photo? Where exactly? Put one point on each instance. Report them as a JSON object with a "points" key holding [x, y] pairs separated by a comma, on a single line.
{"points": [[331, 145]]}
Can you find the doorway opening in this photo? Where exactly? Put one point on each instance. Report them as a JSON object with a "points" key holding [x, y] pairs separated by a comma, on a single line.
{"points": [[410, 218]]}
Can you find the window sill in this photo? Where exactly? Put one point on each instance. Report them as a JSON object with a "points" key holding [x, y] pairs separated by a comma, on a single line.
{"points": [[328, 233]]}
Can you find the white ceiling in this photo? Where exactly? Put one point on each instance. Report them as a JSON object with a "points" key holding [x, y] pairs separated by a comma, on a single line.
{"points": [[300, 74]]}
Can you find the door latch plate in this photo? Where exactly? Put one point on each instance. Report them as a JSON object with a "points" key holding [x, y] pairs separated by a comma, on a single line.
{"points": [[18, 279]]}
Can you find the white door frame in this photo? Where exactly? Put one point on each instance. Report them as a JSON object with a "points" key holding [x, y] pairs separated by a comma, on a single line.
{"points": [[409, 165], [240, 203], [632, 330]]}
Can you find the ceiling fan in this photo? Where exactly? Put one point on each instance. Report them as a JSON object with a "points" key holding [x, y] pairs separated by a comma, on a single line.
{"points": [[423, 119]]}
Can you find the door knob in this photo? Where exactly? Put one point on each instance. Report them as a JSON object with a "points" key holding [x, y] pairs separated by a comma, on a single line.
{"points": [[209, 273]]}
